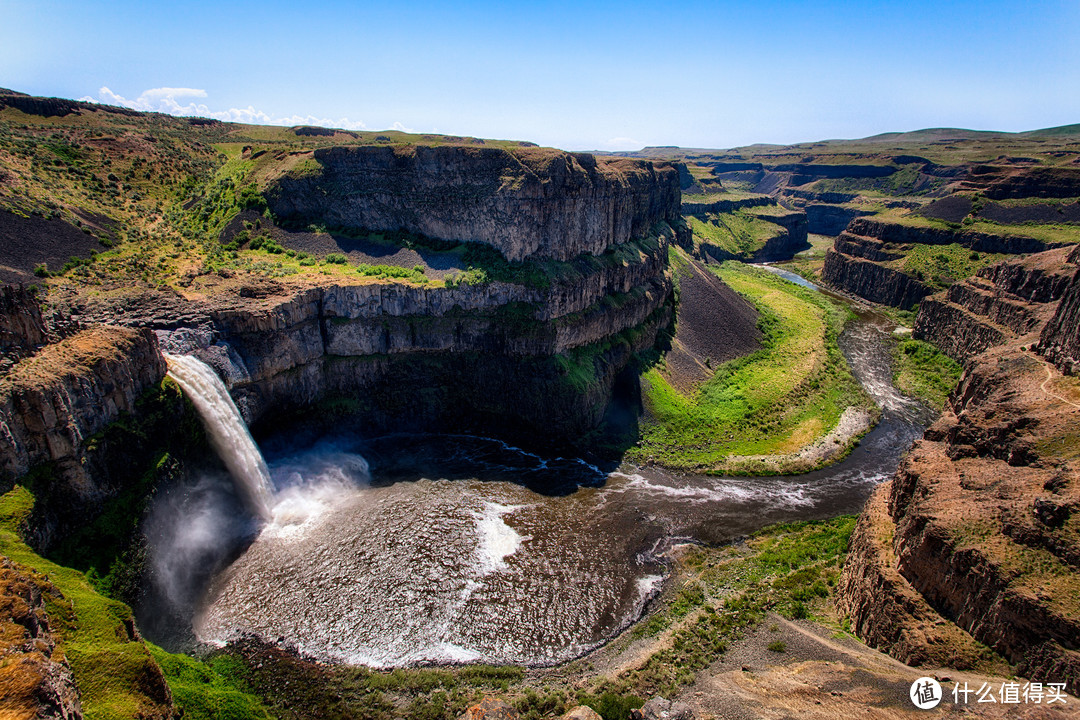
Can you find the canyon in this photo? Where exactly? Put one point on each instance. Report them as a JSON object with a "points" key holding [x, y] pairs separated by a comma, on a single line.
{"points": [[438, 298]]}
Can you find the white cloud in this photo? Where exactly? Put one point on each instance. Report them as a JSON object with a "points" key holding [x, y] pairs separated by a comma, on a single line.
{"points": [[177, 101], [622, 143]]}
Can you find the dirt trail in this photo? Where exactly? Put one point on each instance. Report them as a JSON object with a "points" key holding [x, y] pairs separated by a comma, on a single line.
{"points": [[1048, 380], [820, 675]]}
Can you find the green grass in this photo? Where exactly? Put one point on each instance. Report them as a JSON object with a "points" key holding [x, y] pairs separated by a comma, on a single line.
{"points": [[942, 265], [211, 690], [113, 670], [789, 569], [773, 401], [739, 233], [924, 372]]}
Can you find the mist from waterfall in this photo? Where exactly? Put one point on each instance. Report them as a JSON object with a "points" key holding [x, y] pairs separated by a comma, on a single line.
{"points": [[196, 527]]}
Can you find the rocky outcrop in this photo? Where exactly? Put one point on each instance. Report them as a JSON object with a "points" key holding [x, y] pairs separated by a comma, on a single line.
{"points": [[815, 196], [22, 328], [897, 233], [35, 678], [978, 531], [955, 330], [395, 340], [850, 266], [52, 402], [793, 221], [1041, 182], [43, 106], [284, 347], [872, 281], [982, 523], [864, 247], [1060, 341], [527, 203], [816, 171], [725, 206], [1006, 301], [885, 611], [830, 219]]}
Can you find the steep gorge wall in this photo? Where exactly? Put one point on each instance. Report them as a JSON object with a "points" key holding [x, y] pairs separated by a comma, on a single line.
{"points": [[361, 341], [1060, 341], [830, 219], [1007, 301], [22, 328], [898, 233], [874, 282], [977, 535], [527, 203], [54, 401]]}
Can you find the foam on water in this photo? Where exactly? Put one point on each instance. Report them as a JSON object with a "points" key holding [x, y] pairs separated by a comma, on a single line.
{"points": [[699, 491], [507, 557], [498, 540]]}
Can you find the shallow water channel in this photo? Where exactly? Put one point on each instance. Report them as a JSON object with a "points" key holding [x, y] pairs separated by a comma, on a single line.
{"points": [[410, 549]]}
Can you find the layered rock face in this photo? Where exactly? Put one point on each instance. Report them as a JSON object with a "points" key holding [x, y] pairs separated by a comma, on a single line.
{"points": [[896, 233], [435, 358], [872, 281], [52, 402], [977, 536], [725, 206], [861, 260], [1060, 340], [528, 202], [1002, 303], [22, 329], [540, 356]]}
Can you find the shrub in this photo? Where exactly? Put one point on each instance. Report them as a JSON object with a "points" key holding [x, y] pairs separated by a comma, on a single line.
{"points": [[336, 259], [777, 646]]}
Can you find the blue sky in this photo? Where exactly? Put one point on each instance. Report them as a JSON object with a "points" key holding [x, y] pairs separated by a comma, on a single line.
{"points": [[577, 75]]}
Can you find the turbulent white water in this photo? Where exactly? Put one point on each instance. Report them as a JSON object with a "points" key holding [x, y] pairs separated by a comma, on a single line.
{"points": [[227, 431], [458, 548]]}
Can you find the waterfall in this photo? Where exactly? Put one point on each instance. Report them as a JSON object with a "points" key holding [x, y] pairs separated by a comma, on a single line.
{"points": [[228, 433]]}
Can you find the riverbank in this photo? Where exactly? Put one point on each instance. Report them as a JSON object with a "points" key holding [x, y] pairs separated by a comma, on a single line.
{"points": [[749, 629], [785, 408]]}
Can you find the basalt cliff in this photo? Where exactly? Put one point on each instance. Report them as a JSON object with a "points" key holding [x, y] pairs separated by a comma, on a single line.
{"points": [[975, 542], [527, 203], [528, 342], [535, 354]]}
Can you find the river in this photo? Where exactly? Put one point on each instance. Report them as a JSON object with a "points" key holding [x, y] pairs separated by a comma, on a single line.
{"points": [[435, 548]]}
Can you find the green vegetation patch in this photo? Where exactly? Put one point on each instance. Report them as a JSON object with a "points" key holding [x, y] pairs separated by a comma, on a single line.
{"points": [[216, 689], [739, 233], [113, 669], [774, 401], [789, 569], [924, 372], [942, 265]]}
